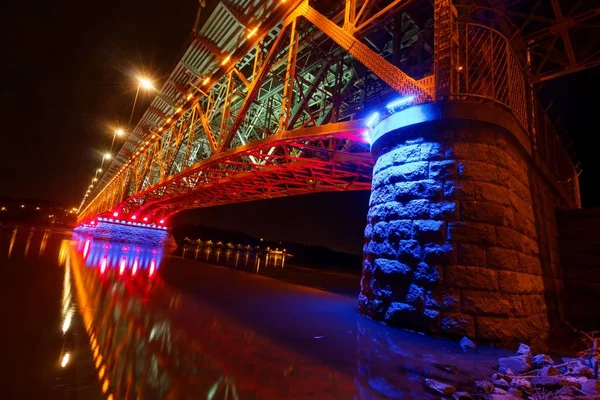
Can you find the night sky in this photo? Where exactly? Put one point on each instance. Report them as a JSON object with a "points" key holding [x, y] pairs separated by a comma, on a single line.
{"points": [[67, 76]]}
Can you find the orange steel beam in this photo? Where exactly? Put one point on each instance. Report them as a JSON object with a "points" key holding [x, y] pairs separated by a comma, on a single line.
{"points": [[233, 165]]}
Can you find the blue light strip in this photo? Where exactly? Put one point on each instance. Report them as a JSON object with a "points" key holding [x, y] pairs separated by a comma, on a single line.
{"points": [[373, 118], [400, 102]]}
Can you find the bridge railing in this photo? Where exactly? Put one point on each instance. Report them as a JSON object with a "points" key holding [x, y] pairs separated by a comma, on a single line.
{"points": [[485, 68], [550, 147]]}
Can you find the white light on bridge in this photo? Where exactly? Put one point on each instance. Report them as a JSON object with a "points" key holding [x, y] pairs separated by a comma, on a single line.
{"points": [[252, 32], [400, 102], [372, 120]]}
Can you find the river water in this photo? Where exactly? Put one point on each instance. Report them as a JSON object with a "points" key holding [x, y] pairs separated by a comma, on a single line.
{"points": [[84, 319]]}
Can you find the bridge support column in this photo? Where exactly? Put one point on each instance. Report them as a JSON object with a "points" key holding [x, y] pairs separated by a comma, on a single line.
{"points": [[455, 227]]}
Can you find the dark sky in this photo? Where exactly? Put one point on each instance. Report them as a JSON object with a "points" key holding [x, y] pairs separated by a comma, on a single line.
{"points": [[67, 76]]}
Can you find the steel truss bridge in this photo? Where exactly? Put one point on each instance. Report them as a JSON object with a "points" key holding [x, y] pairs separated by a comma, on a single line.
{"points": [[271, 98]]}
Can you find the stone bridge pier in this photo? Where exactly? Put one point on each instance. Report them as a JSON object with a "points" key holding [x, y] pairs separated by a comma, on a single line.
{"points": [[461, 234]]}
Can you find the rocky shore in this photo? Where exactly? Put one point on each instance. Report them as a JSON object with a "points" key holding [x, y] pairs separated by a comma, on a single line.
{"points": [[532, 376]]}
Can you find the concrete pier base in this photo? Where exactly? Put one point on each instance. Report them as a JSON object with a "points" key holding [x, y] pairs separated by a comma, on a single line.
{"points": [[461, 234]]}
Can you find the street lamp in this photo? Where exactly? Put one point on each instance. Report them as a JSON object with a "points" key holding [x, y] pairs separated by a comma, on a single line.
{"points": [[106, 156], [117, 132], [144, 83]]}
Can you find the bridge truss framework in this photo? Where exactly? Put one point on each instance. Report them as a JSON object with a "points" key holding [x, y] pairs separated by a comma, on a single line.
{"points": [[271, 98]]}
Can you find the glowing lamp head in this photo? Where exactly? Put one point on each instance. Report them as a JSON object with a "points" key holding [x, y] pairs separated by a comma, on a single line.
{"points": [[92, 222], [119, 132], [146, 83], [115, 214], [99, 170], [107, 156], [162, 221], [145, 219], [134, 217]]}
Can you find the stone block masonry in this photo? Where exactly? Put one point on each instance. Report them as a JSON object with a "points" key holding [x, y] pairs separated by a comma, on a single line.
{"points": [[459, 238]]}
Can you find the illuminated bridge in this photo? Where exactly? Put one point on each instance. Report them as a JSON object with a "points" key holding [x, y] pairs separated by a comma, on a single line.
{"points": [[431, 105]]}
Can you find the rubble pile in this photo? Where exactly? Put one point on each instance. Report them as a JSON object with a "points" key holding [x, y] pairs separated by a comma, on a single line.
{"points": [[534, 377]]}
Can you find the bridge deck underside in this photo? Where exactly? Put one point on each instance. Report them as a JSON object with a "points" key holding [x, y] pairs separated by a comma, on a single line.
{"points": [[333, 157], [283, 165]]}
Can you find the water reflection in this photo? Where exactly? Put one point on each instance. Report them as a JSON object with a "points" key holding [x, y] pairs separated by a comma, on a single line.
{"points": [[112, 281], [67, 304], [119, 258], [237, 256], [44, 241], [150, 341], [13, 237], [207, 333], [28, 242]]}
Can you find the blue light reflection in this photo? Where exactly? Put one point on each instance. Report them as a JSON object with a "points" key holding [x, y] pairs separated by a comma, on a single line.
{"points": [[119, 258]]}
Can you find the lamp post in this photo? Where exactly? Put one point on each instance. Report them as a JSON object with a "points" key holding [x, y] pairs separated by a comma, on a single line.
{"points": [[107, 156], [117, 132], [143, 83]]}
